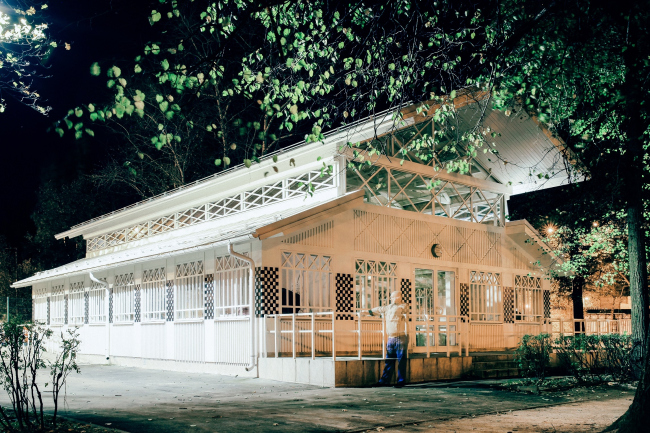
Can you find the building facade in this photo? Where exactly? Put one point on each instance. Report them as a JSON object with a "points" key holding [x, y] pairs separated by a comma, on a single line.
{"points": [[279, 260]]}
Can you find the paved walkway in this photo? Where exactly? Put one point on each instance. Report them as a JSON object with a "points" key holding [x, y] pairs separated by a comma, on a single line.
{"points": [[139, 400]]}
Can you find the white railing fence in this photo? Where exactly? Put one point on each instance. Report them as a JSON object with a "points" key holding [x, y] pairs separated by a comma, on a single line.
{"points": [[320, 334], [559, 327]]}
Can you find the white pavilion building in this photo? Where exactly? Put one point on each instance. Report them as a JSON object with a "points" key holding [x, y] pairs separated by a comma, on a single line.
{"points": [[245, 273]]}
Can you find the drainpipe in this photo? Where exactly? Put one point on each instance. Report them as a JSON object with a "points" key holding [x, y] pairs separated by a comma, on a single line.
{"points": [[251, 308], [108, 325]]}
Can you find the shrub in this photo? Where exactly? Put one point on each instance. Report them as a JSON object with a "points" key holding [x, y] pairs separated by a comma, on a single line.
{"points": [[21, 357], [533, 355], [596, 358]]}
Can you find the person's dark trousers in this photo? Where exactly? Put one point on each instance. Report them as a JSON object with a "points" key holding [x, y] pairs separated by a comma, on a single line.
{"points": [[396, 347]]}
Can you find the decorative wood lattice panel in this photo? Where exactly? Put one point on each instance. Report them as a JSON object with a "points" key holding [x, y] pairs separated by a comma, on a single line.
{"points": [[240, 202], [385, 234], [320, 236]]}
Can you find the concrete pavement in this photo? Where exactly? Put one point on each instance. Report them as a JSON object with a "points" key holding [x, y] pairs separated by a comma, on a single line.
{"points": [[142, 400]]}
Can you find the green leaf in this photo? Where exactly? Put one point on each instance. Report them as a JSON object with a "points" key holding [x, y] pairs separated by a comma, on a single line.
{"points": [[90, 132], [78, 112], [137, 69], [226, 160], [217, 162], [60, 132], [247, 163], [155, 17], [165, 64], [95, 69]]}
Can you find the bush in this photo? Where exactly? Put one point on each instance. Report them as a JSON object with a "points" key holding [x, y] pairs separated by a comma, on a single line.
{"points": [[21, 357], [533, 355], [596, 358]]}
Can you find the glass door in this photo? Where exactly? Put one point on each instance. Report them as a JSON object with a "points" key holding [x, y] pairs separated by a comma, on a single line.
{"points": [[434, 310]]}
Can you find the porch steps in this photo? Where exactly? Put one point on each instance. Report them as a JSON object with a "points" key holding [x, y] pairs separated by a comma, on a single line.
{"points": [[494, 366]]}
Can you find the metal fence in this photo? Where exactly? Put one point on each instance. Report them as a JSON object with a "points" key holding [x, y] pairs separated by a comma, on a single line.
{"points": [[20, 308]]}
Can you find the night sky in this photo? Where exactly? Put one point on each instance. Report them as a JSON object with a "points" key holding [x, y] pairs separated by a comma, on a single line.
{"points": [[97, 30]]}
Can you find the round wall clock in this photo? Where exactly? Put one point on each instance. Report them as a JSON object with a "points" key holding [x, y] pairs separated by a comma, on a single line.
{"points": [[436, 250]]}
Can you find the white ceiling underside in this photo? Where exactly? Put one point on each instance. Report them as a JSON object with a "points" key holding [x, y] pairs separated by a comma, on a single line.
{"points": [[524, 152]]}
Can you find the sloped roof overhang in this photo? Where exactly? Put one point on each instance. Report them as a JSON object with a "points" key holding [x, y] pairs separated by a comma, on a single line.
{"points": [[529, 240]]}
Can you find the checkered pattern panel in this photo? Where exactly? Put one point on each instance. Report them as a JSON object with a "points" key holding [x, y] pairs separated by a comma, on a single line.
{"points": [[65, 309], [86, 308], [547, 304], [344, 297], [138, 303], [508, 305], [48, 310], [170, 301], [110, 306], [464, 299], [267, 300], [209, 296], [405, 289]]}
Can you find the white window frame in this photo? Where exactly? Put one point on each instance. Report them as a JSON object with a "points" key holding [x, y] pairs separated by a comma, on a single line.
{"points": [[529, 299], [57, 305], [231, 287], [40, 304], [97, 303], [153, 295], [374, 281], [124, 298], [309, 277], [188, 291], [485, 296], [76, 304]]}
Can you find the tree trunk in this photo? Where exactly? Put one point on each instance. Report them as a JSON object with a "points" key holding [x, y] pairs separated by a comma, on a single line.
{"points": [[578, 285], [638, 275]]}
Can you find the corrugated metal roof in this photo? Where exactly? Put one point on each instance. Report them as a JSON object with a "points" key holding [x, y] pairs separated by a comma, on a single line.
{"points": [[182, 243], [525, 153]]}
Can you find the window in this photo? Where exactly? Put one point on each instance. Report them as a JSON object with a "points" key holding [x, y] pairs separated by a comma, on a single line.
{"points": [[76, 304], [124, 298], [373, 283], [153, 294], [189, 290], [306, 281], [40, 304], [97, 303], [57, 305], [529, 304], [231, 289], [485, 296]]}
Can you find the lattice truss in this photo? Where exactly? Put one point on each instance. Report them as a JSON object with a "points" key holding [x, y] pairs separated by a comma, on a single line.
{"points": [[241, 202], [306, 282], [373, 283], [486, 296], [415, 143], [414, 192]]}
